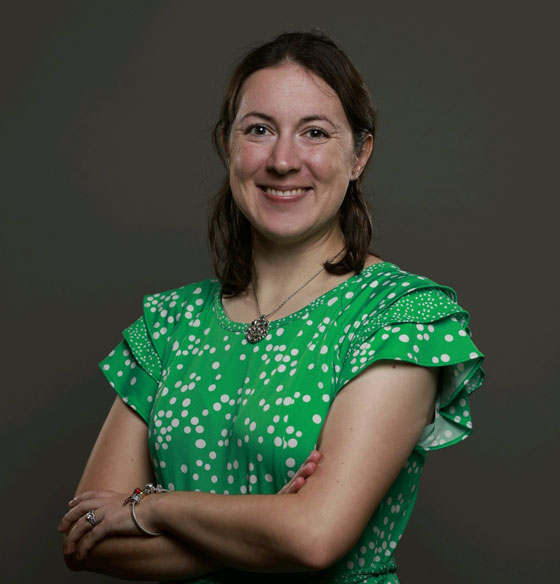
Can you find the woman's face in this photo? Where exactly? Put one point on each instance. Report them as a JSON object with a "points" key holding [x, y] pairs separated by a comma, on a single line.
{"points": [[291, 154]]}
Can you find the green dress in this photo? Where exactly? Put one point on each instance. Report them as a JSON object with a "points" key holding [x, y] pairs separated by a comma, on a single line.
{"points": [[225, 416]]}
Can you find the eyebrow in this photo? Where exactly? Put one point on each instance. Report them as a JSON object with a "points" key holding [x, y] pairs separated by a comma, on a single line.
{"points": [[304, 120]]}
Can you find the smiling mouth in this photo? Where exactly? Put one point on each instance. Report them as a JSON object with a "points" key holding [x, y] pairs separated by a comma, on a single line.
{"points": [[286, 193]]}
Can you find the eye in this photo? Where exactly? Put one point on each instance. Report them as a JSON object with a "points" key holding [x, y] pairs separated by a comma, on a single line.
{"points": [[256, 130], [317, 133]]}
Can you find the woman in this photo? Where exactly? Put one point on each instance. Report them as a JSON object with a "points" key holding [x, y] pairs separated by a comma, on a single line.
{"points": [[306, 339]]}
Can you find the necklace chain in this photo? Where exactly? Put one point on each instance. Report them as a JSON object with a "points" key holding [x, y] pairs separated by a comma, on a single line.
{"points": [[259, 328], [289, 297]]}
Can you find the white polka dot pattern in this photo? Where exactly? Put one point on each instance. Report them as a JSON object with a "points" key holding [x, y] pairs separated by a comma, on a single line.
{"points": [[225, 416], [138, 338]]}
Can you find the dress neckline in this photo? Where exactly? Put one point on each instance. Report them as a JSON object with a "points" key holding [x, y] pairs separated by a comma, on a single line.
{"points": [[302, 313]]}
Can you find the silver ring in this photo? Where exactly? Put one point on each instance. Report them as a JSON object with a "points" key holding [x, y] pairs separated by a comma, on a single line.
{"points": [[90, 518]]}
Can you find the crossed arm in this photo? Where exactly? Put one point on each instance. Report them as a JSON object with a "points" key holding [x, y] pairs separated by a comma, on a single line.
{"points": [[369, 433]]}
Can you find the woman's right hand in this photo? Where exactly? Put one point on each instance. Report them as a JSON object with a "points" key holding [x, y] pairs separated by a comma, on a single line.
{"points": [[303, 473]]}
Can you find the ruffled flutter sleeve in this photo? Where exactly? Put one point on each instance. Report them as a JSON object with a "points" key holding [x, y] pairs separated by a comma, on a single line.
{"points": [[426, 327], [134, 369]]}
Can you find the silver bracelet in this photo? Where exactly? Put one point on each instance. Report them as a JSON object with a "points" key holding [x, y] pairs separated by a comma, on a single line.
{"points": [[135, 519], [137, 495]]}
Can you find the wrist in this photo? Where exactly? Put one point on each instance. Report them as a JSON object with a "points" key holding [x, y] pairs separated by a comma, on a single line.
{"points": [[151, 517], [142, 503]]}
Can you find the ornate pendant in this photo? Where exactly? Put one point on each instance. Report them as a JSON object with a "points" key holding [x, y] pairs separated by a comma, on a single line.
{"points": [[257, 330]]}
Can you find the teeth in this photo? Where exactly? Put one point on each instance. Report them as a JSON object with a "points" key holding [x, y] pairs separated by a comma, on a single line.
{"points": [[270, 191]]}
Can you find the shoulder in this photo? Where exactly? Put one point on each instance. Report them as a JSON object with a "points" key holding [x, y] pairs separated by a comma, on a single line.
{"points": [[384, 296], [385, 287], [174, 300], [162, 310], [399, 316]]}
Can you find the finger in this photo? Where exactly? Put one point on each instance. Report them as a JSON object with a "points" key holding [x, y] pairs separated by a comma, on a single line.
{"points": [[307, 470], [314, 456], [296, 484], [91, 495], [293, 486], [285, 489], [299, 479], [310, 464], [303, 473], [87, 542], [79, 529], [71, 518], [78, 511]]}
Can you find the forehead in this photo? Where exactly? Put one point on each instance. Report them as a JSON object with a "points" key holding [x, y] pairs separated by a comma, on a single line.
{"points": [[289, 89]]}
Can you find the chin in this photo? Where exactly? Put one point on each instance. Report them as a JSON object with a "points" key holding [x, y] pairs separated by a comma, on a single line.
{"points": [[288, 235], [294, 228]]}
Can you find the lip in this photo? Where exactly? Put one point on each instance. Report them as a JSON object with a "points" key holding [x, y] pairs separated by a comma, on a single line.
{"points": [[284, 188]]}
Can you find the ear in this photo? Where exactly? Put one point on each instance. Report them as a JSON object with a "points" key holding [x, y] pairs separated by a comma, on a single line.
{"points": [[362, 157], [223, 140], [225, 148]]}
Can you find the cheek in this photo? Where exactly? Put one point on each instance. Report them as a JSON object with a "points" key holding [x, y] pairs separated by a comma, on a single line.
{"points": [[334, 168], [245, 160]]}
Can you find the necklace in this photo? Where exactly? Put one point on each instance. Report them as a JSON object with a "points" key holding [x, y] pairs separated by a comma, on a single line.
{"points": [[259, 328]]}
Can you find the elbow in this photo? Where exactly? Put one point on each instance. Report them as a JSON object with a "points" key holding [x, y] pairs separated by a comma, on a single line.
{"points": [[317, 549], [316, 560]]}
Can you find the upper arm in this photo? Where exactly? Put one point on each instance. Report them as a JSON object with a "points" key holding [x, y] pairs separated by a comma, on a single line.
{"points": [[120, 459], [372, 427]]}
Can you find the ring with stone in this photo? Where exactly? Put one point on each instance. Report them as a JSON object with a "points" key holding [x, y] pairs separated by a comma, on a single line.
{"points": [[91, 519]]}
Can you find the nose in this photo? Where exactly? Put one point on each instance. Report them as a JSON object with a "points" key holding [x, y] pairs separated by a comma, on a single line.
{"points": [[284, 157]]}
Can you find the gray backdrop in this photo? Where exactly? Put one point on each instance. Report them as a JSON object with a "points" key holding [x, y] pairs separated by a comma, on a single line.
{"points": [[107, 170]]}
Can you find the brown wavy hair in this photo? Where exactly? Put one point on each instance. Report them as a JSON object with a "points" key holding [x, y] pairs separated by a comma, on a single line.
{"points": [[229, 231]]}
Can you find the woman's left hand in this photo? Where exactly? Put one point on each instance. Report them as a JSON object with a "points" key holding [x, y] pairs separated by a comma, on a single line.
{"points": [[112, 515]]}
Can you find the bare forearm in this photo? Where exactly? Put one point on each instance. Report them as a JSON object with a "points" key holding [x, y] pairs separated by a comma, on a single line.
{"points": [[262, 533], [114, 545], [143, 558]]}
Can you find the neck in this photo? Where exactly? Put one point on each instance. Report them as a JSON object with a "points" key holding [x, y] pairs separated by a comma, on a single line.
{"points": [[281, 269]]}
